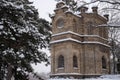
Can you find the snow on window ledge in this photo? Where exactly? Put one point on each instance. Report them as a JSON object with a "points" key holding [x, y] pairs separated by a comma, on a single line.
{"points": [[61, 68], [75, 67], [104, 69]]}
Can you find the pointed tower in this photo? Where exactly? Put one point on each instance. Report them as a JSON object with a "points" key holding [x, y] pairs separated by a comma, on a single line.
{"points": [[78, 47]]}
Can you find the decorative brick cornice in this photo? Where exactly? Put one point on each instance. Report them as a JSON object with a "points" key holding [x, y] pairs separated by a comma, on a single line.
{"points": [[70, 32], [74, 40]]}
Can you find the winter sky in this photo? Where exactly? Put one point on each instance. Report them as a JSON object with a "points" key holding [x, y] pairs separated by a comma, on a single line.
{"points": [[44, 7]]}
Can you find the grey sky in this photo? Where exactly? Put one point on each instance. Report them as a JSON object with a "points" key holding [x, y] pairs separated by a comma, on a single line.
{"points": [[44, 7]]}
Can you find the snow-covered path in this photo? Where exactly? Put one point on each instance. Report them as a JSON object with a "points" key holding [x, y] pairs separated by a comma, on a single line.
{"points": [[105, 77]]}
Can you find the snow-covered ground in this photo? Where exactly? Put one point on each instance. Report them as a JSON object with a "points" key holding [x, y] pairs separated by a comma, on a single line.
{"points": [[105, 77]]}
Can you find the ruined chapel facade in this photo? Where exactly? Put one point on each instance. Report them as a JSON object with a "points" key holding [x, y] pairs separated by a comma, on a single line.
{"points": [[79, 47]]}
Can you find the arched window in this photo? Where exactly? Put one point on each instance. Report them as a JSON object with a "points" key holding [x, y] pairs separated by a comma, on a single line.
{"points": [[60, 61], [75, 63], [104, 65]]}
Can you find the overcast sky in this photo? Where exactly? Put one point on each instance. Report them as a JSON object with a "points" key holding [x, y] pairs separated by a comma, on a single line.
{"points": [[44, 7]]}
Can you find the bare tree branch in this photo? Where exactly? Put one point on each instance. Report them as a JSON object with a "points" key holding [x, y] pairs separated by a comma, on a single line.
{"points": [[110, 2]]}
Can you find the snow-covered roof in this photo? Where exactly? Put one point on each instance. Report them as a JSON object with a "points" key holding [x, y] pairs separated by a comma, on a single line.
{"points": [[67, 39], [95, 42], [60, 1], [77, 14], [70, 11], [116, 25], [65, 6]]}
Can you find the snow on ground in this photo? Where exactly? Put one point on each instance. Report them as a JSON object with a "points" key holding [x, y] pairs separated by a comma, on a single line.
{"points": [[105, 77]]}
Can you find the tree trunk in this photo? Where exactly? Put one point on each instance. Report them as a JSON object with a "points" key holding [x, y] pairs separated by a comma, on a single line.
{"points": [[114, 69], [9, 74]]}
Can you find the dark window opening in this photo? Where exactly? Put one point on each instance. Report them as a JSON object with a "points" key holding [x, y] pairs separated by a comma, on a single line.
{"points": [[118, 68], [60, 61], [75, 63], [104, 65]]}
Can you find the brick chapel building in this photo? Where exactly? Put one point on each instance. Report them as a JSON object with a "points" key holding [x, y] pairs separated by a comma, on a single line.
{"points": [[79, 48]]}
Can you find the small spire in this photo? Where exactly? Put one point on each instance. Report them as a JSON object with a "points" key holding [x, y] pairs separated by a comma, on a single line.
{"points": [[94, 9], [83, 9]]}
